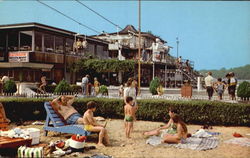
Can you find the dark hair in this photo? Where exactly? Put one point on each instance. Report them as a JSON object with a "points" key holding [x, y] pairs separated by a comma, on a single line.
{"points": [[91, 105], [172, 109], [219, 79], [128, 99], [177, 119], [129, 82]]}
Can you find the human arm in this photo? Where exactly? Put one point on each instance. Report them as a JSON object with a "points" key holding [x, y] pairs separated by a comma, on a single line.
{"points": [[167, 125], [70, 98], [55, 104]]}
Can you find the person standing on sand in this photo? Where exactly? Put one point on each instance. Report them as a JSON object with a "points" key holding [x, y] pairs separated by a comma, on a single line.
{"points": [[129, 112], [91, 125], [209, 82]]}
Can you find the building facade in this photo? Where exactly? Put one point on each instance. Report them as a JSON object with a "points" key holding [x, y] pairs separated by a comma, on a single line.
{"points": [[155, 57], [29, 50]]}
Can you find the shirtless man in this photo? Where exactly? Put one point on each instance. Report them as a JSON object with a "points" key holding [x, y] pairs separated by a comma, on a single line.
{"points": [[91, 125], [63, 105]]}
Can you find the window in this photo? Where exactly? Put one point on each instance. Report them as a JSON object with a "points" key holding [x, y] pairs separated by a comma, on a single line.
{"points": [[2, 45], [59, 44], [91, 48], [25, 40], [48, 43], [38, 41], [13, 41], [69, 45]]}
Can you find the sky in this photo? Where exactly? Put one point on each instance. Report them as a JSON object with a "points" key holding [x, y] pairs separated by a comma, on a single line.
{"points": [[213, 34]]}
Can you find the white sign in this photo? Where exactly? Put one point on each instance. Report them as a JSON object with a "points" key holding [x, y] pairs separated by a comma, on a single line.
{"points": [[20, 56]]}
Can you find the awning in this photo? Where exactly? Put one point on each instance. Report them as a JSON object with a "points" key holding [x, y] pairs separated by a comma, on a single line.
{"points": [[26, 65]]}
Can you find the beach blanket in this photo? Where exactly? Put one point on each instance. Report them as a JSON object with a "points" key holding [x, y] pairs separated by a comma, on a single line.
{"points": [[239, 141], [193, 143]]}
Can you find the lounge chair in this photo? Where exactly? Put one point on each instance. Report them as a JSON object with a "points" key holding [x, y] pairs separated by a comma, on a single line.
{"points": [[57, 124]]}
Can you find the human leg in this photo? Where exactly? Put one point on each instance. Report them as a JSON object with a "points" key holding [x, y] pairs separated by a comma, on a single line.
{"points": [[152, 133], [101, 131], [130, 125], [168, 138]]}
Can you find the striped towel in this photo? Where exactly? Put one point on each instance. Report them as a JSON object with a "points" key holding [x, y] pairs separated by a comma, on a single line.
{"points": [[193, 143], [239, 141]]}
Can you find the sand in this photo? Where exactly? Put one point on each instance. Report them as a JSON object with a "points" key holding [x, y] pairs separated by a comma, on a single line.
{"points": [[136, 147]]}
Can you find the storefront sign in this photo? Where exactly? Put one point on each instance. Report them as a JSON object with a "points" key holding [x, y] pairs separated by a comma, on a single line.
{"points": [[20, 56]]}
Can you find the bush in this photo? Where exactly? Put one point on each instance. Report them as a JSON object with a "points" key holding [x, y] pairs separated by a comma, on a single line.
{"points": [[63, 87], [195, 112], [103, 90], [243, 90], [9, 87], [154, 84], [75, 88]]}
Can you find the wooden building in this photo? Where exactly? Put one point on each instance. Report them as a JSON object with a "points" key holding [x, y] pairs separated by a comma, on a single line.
{"points": [[28, 50]]}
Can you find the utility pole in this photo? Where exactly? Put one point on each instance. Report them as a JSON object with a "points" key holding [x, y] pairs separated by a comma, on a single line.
{"points": [[177, 42], [139, 49]]}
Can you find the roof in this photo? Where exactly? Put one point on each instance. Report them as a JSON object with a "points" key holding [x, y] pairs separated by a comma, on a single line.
{"points": [[131, 29], [50, 28]]}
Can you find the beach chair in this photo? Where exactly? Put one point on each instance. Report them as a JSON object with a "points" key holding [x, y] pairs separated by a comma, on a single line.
{"points": [[57, 124]]}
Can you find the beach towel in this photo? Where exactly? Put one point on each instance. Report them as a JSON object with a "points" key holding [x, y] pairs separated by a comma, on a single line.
{"points": [[239, 141], [193, 143]]}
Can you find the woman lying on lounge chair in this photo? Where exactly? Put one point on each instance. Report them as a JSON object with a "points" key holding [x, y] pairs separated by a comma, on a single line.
{"points": [[181, 132], [169, 128]]}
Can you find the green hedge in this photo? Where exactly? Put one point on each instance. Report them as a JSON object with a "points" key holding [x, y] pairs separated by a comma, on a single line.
{"points": [[195, 112]]}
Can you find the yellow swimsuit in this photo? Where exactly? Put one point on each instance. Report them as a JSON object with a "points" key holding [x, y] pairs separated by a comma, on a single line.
{"points": [[88, 127]]}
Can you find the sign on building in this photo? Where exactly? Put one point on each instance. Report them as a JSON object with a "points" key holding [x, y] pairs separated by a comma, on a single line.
{"points": [[21, 56]]}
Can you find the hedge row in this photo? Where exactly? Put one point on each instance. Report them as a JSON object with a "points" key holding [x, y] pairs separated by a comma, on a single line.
{"points": [[195, 112]]}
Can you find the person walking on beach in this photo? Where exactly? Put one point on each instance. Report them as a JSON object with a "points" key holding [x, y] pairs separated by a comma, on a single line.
{"points": [[209, 83]]}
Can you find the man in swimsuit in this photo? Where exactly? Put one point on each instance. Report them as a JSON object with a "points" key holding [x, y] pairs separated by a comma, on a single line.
{"points": [[129, 111], [91, 125], [63, 105]]}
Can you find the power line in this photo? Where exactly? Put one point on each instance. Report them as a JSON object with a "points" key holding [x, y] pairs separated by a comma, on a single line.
{"points": [[94, 30], [98, 14]]}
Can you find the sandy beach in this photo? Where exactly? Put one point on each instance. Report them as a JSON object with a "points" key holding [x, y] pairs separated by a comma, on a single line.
{"points": [[136, 147]]}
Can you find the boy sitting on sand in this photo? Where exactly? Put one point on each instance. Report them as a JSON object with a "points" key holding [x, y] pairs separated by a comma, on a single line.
{"points": [[91, 125], [129, 116]]}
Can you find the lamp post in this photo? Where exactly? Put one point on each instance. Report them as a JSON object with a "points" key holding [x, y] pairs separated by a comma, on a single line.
{"points": [[139, 48], [177, 42]]}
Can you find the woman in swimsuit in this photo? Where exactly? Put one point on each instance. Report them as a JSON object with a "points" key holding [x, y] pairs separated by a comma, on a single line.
{"points": [[181, 134], [169, 128]]}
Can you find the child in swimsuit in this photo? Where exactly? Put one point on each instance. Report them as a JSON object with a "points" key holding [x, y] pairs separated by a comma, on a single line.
{"points": [[129, 116]]}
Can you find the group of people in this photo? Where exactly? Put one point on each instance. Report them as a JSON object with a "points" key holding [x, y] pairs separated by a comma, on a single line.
{"points": [[88, 88], [230, 83], [175, 131]]}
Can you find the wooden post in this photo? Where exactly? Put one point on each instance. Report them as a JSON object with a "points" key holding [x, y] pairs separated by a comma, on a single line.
{"points": [[139, 50]]}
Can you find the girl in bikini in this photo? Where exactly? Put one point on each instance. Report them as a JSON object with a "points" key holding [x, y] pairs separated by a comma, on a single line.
{"points": [[181, 134]]}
